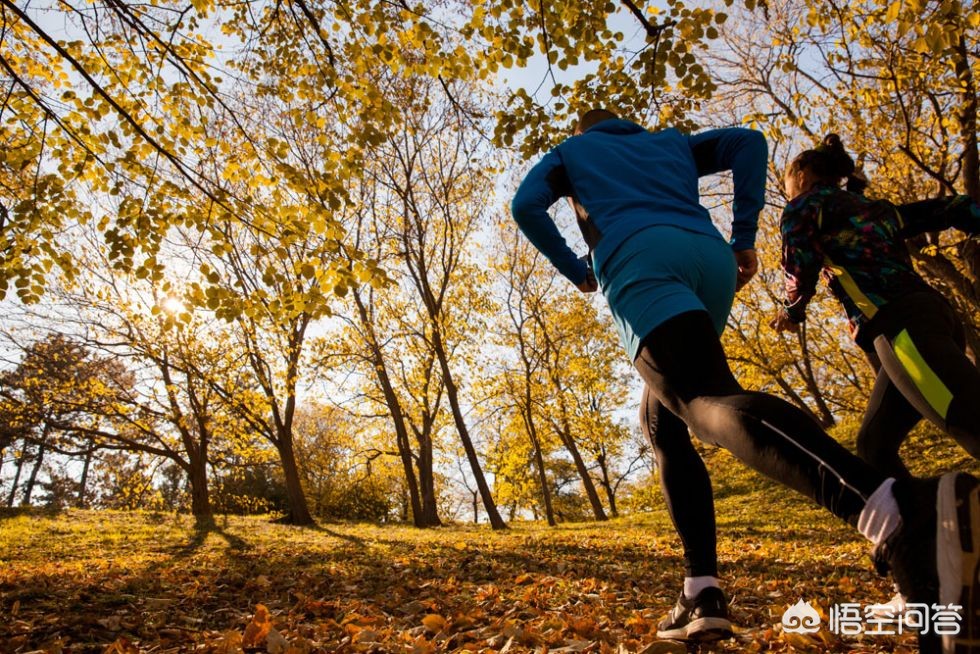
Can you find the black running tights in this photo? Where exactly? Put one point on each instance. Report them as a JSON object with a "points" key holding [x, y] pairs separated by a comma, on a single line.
{"points": [[684, 368]]}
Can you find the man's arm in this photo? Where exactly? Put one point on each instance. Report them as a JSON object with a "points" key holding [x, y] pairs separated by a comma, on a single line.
{"points": [[543, 185], [745, 153]]}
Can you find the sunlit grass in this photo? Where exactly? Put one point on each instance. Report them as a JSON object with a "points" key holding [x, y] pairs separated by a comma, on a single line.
{"points": [[83, 580]]}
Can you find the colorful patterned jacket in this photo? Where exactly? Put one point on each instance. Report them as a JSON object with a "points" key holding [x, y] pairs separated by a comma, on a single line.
{"points": [[858, 244]]}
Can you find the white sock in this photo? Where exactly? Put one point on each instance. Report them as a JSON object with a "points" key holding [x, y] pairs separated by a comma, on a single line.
{"points": [[880, 516], [694, 585]]}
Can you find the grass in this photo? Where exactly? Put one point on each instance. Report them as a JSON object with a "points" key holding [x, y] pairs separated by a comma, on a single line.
{"points": [[86, 581]]}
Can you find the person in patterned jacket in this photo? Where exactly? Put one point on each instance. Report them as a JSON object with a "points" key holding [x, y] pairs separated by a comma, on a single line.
{"points": [[858, 245]]}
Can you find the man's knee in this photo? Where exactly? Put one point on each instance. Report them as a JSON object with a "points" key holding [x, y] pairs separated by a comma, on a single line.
{"points": [[667, 432]]}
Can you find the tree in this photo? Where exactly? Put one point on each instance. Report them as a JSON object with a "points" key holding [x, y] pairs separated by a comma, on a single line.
{"points": [[398, 371], [521, 387], [343, 472], [58, 391], [137, 100], [271, 301], [435, 197], [658, 80], [566, 357]]}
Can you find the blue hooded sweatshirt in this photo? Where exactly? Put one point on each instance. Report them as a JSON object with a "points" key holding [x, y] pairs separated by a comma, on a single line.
{"points": [[625, 178]]}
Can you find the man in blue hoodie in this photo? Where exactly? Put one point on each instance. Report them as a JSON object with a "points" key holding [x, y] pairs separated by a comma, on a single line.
{"points": [[669, 278]]}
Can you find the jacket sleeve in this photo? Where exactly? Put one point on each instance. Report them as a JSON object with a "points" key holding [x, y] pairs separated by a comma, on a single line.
{"points": [[958, 211], [543, 185], [802, 256], [745, 153]]}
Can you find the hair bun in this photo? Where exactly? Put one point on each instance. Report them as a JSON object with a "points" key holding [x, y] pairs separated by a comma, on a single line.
{"points": [[832, 141], [839, 162]]}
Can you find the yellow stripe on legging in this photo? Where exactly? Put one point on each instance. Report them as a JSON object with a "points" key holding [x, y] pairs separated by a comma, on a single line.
{"points": [[864, 304], [929, 384]]}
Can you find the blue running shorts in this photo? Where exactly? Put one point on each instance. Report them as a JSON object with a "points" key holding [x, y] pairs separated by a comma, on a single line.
{"points": [[662, 271]]}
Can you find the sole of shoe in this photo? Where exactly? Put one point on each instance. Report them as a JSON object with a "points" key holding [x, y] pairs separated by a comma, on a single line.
{"points": [[958, 557], [702, 630]]}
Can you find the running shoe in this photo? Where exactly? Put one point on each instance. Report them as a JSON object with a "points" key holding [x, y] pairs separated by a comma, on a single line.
{"points": [[958, 558], [934, 556], [702, 619]]}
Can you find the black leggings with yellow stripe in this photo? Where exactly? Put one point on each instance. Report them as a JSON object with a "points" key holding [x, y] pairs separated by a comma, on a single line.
{"points": [[924, 373]]}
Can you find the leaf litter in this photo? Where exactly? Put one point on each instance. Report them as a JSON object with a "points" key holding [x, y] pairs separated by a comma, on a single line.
{"points": [[249, 585]]}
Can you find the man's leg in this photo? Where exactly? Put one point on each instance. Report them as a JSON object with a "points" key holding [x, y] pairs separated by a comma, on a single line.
{"points": [[683, 363], [926, 533], [686, 488], [685, 484]]}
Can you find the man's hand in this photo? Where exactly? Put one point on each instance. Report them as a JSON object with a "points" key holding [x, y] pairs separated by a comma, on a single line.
{"points": [[748, 266], [590, 285], [783, 323]]}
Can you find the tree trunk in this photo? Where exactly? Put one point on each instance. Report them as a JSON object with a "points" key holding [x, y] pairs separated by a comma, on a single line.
{"points": [[29, 489], [968, 121], [200, 494], [476, 507], [464, 435], [532, 433], [405, 454], [299, 511], [16, 481], [403, 441], [549, 512], [564, 432], [612, 501], [427, 484], [397, 417], [597, 510], [83, 482], [606, 484]]}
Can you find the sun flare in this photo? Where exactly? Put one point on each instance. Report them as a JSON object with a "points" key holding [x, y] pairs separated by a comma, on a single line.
{"points": [[172, 305]]}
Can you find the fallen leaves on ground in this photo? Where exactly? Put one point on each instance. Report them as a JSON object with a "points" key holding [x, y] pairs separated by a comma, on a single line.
{"points": [[128, 582]]}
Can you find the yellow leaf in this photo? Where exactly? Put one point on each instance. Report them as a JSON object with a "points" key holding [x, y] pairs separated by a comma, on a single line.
{"points": [[434, 622], [893, 11], [122, 646], [258, 629]]}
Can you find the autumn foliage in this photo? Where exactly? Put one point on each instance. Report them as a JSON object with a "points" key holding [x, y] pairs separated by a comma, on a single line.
{"points": [[256, 258]]}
